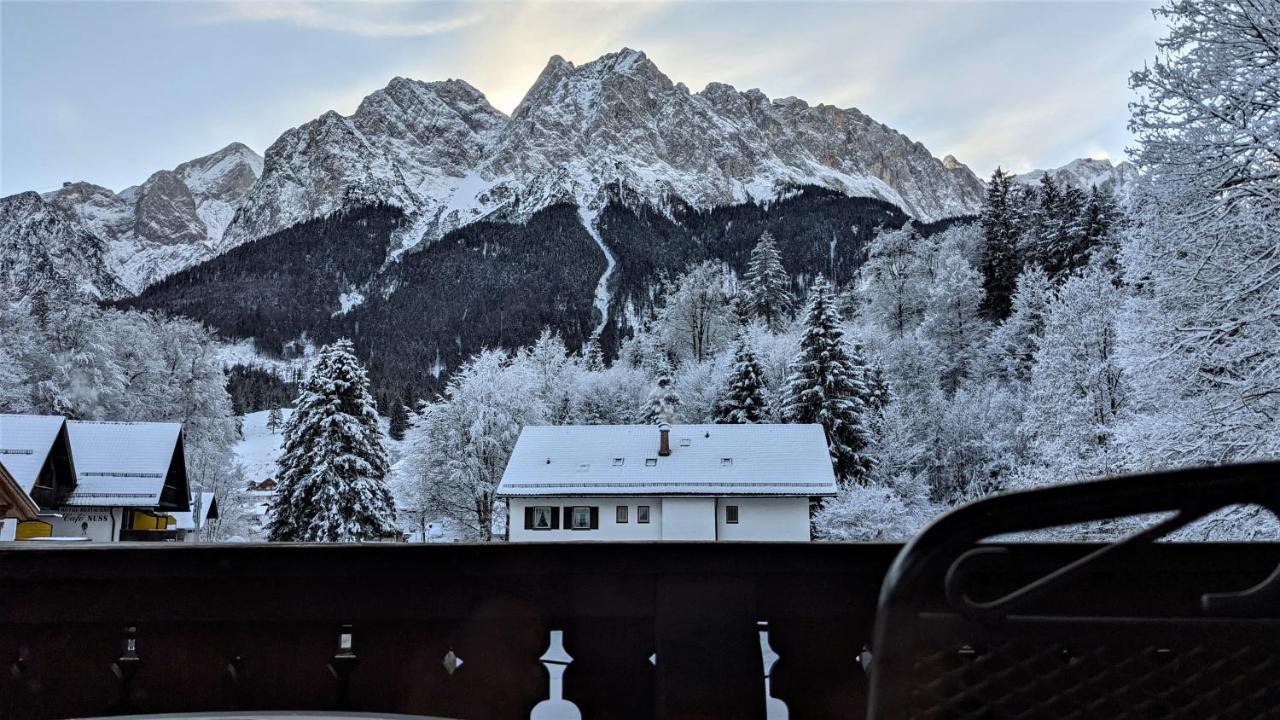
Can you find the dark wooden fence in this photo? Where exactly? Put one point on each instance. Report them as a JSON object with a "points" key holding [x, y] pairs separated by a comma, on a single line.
{"points": [[654, 630]]}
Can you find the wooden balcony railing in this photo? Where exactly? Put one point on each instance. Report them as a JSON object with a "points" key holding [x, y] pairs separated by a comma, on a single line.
{"points": [[669, 630]]}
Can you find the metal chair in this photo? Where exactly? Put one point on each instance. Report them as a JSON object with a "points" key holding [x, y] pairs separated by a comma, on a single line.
{"points": [[1128, 629]]}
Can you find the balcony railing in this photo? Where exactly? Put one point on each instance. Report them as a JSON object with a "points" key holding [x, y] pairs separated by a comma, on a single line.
{"points": [[672, 630]]}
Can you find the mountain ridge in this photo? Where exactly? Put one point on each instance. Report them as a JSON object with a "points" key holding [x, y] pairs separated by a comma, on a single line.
{"points": [[580, 128]]}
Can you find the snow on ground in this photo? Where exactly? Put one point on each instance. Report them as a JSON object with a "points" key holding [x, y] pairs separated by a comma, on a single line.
{"points": [[348, 300], [242, 352], [602, 287], [259, 447]]}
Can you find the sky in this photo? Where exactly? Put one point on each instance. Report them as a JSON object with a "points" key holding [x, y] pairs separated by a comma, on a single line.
{"points": [[110, 92]]}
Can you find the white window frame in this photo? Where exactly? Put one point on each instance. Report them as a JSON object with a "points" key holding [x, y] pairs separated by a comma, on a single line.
{"points": [[642, 514], [621, 514], [580, 510]]}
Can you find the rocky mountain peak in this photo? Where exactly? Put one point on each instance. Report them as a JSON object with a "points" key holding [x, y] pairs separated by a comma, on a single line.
{"points": [[447, 157], [1087, 173]]}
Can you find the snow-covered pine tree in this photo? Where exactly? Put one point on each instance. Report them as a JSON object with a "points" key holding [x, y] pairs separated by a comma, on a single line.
{"points": [[1100, 227], [1011, 349], [878, 392], [744, 401], [593, 356], [399, 421], [767, 286], [952, 327], [274, 419], [825, 387], [1001, 261], [663, 402], [332, 471]]}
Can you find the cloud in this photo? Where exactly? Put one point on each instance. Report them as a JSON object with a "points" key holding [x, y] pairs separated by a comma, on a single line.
{"points": [[365, 19]]}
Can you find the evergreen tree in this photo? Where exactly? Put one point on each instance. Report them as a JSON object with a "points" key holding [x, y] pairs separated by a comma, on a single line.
{"points": [[825, 387], [594, 356], [1012, 347], [952, 328], [879, 394], [274, 418], [332, 471], [663, 399], [1000, 262], [767, 287], [744, 401], [399, 420]]}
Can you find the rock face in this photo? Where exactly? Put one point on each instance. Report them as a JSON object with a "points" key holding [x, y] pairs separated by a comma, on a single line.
{"points": [[448, 158], [173, 220], [43, 251], [408, 145], [614, 127], [1087, 173]]}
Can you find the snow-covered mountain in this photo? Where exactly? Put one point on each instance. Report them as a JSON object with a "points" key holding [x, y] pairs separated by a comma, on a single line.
{"points": [[614, 127], [172, 221], [1087, 173], [43, 250], [442, 153]]}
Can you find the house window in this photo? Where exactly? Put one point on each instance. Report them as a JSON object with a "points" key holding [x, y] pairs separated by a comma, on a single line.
{"points": [[726, 462], [621, 514], [582, 518], [642, 514], [731, 514], [650, 462], [541, 518], [618, 462]]}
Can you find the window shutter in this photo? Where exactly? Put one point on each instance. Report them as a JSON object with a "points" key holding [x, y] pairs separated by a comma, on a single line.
{"points": [[555, 519], [528, 518], [595, 518], [568, 518]]}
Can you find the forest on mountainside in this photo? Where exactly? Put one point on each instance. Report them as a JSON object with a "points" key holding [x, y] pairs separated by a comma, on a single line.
{"points": [[493, 284]]}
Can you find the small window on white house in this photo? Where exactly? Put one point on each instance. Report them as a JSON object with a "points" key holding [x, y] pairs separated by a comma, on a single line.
{"points": [[731, 514], [583, 467], [542, 517], [650, 462], [618, 462], [642, 514], [621, 516], [726, 462], [582, 518], [686, 442]]}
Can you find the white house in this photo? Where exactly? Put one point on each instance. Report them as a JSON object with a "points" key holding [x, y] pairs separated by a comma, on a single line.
{"points": [[682, 482]]}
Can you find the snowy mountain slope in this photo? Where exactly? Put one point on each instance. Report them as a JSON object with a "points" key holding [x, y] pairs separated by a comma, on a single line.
{"points": [[409, 144], [172, 221], [43, 251], [448, 158], [1087, 173]]}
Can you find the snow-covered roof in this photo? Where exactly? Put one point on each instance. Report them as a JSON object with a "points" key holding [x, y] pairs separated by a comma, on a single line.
{"points": [[198, 516], [25, 441], [609, 460], [121, 464], [14, 501]]}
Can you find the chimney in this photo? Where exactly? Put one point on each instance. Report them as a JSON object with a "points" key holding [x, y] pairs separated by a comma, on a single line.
{"points": [[664, 439]]}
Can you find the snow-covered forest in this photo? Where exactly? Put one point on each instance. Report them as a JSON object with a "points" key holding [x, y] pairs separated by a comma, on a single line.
{"points": [[1066, 334]]}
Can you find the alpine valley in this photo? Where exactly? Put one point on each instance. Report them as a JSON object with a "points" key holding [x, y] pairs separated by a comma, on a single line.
{"points": [[428, 225]]}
